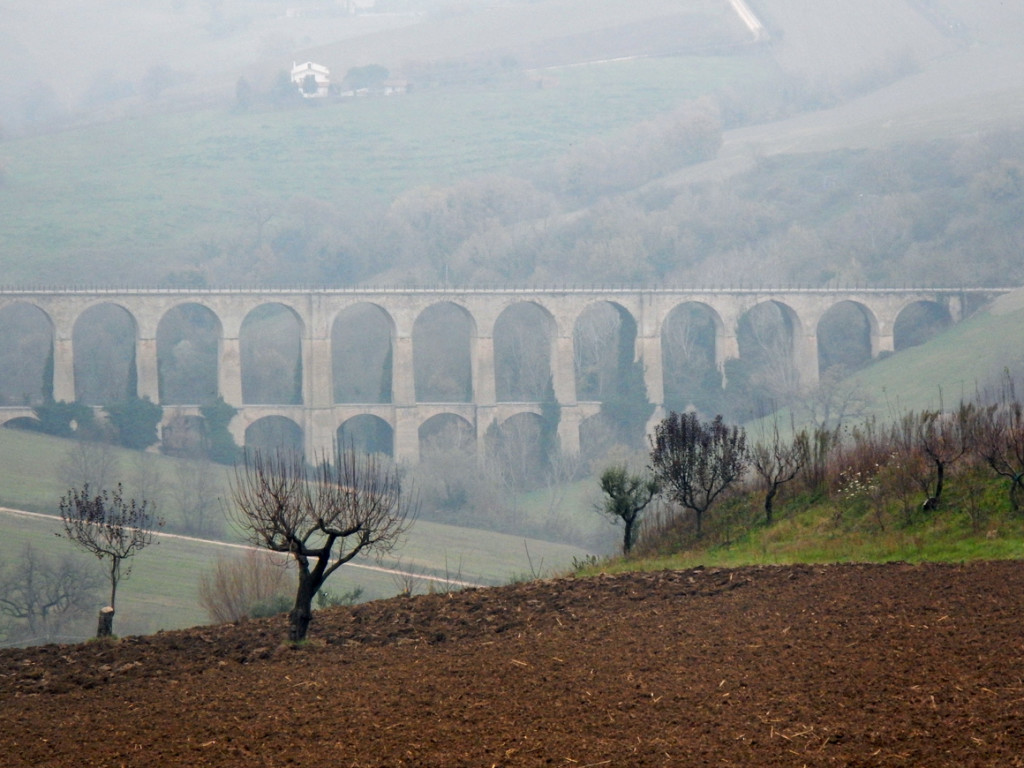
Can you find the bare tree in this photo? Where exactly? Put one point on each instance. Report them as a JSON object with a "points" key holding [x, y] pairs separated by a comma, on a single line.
{"points": [[87, 463], [626, 495], [696, 461], [943, 438], [1000, 443], [777, 462], [766, 339], [112, 529], [237, 589], [44, 592], [195, 494], [322, 518], [834, 400], [144, 479], [596, 351]]}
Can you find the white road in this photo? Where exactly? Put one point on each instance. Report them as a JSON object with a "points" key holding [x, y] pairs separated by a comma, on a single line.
{"points": [[747, 17], [247, 547]]}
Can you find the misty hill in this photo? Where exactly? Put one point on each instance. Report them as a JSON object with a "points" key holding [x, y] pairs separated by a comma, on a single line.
{"points": [[507, 161]]}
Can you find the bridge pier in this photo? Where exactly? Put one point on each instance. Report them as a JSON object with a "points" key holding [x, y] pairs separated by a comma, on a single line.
{"points": [[146, 372], [63, 369], [229, 371], [805, 361]]}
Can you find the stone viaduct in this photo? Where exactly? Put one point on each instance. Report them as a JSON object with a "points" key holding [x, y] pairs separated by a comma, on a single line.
{"points": [[318, 315]]}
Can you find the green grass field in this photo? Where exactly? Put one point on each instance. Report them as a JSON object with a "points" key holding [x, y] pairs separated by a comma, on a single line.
{"points": [[161, 593], [955, 365], [99, 203]]}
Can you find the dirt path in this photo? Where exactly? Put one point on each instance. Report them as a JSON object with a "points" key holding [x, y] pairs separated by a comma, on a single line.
{"points": [[892, 665]]}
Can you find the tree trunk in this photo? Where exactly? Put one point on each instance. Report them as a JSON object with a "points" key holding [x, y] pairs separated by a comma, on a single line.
{"points": [[1015, 487], [302, 613], [940, 475], [105, 628], [769, 503]]}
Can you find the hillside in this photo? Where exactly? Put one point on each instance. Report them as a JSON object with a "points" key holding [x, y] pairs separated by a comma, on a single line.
{"points": [[882, 665], [208, 189]]}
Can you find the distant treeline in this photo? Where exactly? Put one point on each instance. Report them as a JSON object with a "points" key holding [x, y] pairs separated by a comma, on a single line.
{"points": [[949, 212]]}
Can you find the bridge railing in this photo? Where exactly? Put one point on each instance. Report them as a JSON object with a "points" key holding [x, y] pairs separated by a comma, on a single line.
{"points": [[525, 290]]}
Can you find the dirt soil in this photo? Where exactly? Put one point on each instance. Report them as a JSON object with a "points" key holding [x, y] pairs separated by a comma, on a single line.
{"points": [[842, 665]]}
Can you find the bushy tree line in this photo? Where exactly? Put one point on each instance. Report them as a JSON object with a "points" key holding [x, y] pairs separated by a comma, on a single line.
{"points": [[131, 423], [943, 211], [896, 474]]}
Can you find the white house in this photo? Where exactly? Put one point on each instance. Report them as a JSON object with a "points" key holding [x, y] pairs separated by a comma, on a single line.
{"points": [[313, 80]]}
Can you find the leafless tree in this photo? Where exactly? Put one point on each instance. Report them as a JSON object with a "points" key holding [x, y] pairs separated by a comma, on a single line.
{"points": [[144, 480], [777, 461], [111, 528], [596, 351], [45, 591], [766, 337], [233, 589], [833, 401], [87, 463], [563, 470], [321, 517], [929, 443], [522, 354], [195, 494], [1000, 443]]}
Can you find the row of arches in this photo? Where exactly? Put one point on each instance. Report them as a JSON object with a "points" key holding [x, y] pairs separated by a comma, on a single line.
{"points": [[519, 438], [372, 434], [694, 342]]}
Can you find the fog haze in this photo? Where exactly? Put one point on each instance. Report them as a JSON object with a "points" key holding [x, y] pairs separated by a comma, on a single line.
{"points": [[508, 142]]}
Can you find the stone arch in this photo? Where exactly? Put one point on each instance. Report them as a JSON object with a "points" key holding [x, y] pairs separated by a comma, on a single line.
{"points": [[918, 322], [604, 348], [270, 350], [184, 435], [691, 375], [766, 336], [274, 433], [188, 340], [845, 334], [26, 355], [362, 355], [442, 340], [367, 433], [517, 447], [104, 343], [446, 432], [28, 423], [523, 337]]}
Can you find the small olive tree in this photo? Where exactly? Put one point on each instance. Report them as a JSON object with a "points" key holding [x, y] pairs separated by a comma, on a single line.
{"points": [[321, 517], [626, 495], [111, 528]]}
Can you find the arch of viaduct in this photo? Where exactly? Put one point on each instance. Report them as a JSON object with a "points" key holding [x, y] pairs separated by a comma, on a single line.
{"points": [[319, 417]]}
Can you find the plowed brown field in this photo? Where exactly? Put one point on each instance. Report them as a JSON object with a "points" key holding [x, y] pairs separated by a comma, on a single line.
{"points": [[862, 665]]}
